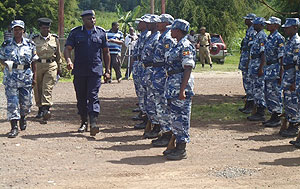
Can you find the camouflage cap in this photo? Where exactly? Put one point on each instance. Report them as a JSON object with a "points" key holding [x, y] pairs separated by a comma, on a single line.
{"points": [[181, 24], [273, 20], [250, 16], [142, 18], [152, 18], [88, 13], [166, 18], [16, 23], [259, 20], [291, 22]]}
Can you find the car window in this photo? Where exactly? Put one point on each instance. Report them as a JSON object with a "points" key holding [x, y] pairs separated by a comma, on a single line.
{"points": [[216, 39]]}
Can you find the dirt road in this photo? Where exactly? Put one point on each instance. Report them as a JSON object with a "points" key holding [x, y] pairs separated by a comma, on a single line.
{"points": [[221, 155]]}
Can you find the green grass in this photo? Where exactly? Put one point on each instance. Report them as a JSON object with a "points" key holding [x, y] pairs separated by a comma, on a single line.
{"points": [[230, 65], [221, 112]]}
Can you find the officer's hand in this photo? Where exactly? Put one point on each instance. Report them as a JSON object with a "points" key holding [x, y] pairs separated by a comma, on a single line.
{"points": [[70, 65], [182, 95], [260, 72], [293, 87]]}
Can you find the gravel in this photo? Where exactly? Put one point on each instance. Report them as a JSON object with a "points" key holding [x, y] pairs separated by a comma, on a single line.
{"points": [[234, 172]]}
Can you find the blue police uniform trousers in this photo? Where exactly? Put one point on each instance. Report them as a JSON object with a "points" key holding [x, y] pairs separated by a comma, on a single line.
{"points": [[19, 101], [290, 98], [273, 96], [245, 74], [87, 89], [158, 84]]}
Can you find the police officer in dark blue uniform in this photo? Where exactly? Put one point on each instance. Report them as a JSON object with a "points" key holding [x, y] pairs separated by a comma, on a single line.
{"points": [[89, 42]]}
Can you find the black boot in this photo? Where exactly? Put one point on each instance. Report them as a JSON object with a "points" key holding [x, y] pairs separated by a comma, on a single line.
{"points": [[274, 121], [178, 153], [154, 132], [23, 123], [40, 113], [245, 106], [138, 117], [143, 124], [46, 113], [14, 129], [84, 124], [162, 141], [292, 130], [259, 115], [249, 107], [136, 110], [93, 122]]}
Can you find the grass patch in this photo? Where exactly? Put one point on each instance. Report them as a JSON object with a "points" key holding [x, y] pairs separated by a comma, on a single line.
{"points": [[230, 65], [226, 111]]}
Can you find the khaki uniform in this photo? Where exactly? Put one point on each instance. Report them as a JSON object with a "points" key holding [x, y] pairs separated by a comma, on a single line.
{"points": [[48, 50], [203, 40]]}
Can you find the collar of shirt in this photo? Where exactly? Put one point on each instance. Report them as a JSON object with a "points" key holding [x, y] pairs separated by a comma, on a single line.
{"points": [[93, 30], [45, 38], [24, 42]]}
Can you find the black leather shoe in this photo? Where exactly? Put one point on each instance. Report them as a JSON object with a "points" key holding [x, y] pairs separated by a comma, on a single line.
{"points": [[162, 141], [93, 122], [39, 114], [139, 117], [46, 113], [140, 125], [292, 130], [178, 153], [153, 133], [136, 110], [168, 151], [14, 129], [258, 116], [23, 123], [83, 127]]}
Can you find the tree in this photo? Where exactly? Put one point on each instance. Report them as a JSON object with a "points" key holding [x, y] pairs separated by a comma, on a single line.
{"points": [[127, 18]]}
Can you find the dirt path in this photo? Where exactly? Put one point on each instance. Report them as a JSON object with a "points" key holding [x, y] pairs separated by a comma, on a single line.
{"points": [[221, 155]]}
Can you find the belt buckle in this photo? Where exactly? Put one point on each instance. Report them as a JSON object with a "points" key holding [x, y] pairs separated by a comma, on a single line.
{"points": [[297, 68], [167, 75], [43, 60], [20, 67]]}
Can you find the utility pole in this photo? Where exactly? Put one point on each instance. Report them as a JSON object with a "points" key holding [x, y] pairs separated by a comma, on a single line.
{"points": [[163, 6], [152, 6], [61, 26]]}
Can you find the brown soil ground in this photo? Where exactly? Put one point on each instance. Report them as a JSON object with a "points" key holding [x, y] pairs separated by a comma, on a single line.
{"points": [[220, 155]]}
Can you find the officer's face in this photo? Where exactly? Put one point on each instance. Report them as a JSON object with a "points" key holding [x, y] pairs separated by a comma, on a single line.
{"points": [[271, 27], [290, 31], [174, 33], [248, 22], [142, 26], [151, 26], [18, 32], [89, 21], [161, 26], [258, 27], [202, 31], [44, 30]]}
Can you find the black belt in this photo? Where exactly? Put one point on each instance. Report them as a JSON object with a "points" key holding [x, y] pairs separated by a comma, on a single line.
{"points": [[289, 66], [172, 72], [204, 45], [21, 66], [148, 64], [254, 56], [45, 60], [270, 63], [158, 64]]}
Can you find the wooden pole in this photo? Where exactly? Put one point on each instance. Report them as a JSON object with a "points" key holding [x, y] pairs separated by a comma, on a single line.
{"points": [[61, 26], [163, 6], [152, 6]]}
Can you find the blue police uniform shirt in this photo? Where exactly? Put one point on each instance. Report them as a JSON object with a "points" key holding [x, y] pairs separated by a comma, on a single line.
{"points": [[257, 48], [88, 50], [137, 51], [165, 42], [291, 50], [148, 50], [21, 54], [250, 34]]}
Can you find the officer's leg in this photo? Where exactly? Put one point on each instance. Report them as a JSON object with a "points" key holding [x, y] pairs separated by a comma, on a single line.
{"points": [[13, 111], [93, 86], [118, 68], [25, 96], [48, 84], [207, 57], [202, 56], [248, 90], [80, 85], [38, 88], [180, 120]]}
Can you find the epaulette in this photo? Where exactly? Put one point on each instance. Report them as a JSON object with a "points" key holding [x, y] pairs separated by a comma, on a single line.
{"points": [[29, 41], [100, 28], [6, 42], [35, 36], [54, 35], [75, 28]]}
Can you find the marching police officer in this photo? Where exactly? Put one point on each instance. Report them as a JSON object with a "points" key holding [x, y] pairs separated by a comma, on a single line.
{"points": [[19, 55], [291, 100], [255, 69], [89, 42], [204, 44], [179, 88], [274, 50], [244, 61], [48, 67]]}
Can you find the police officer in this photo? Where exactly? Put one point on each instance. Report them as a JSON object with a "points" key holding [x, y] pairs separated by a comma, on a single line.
{"points": [[19, 55], [147, 59], [48, 67], [291, 101], [89, 42], [137, 70], [244, 61], [179, 87], [274, 50], [165, 42], [204, 44], [255, 69]]}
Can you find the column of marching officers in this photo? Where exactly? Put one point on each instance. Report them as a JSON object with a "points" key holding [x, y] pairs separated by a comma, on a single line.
{"points": [[270, 70]]}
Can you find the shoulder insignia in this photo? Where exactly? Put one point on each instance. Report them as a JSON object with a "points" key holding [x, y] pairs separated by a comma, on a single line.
{"points": [[262, 44], [100, 28], [54, 35], [250, 38], [76, 28], [167, 46], [296, 50], [281, 45], [185, 53], [35, 36]]}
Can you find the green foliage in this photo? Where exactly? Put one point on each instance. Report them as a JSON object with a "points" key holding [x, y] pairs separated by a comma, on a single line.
{"points": [[107, 5], [127, 19]]}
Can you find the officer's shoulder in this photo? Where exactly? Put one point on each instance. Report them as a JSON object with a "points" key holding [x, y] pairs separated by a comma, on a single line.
{"points": [[100, 29], [6, 42], [186, 43], [76, 29], [29, 41], [54, 35], [35, 36]]}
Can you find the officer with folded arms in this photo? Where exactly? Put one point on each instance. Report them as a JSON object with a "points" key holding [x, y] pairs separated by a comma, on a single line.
{"points": [[19, 56]]}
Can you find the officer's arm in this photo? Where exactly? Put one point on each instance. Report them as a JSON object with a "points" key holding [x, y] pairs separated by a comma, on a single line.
{"points": [[58, 56], [106, 57], [67, 54], [33, 67], [185, 80]]}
